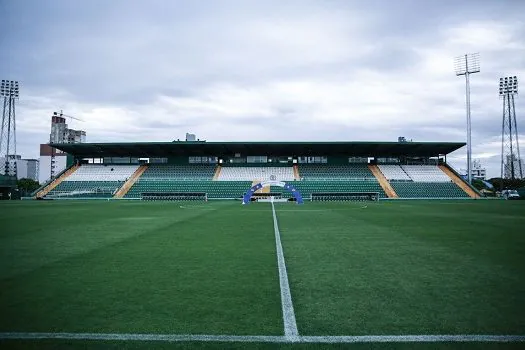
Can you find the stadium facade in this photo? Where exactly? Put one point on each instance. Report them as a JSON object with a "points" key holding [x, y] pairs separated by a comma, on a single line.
{"points": [[227, 170]]}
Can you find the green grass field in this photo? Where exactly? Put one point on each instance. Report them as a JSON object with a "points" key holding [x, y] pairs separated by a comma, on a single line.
{"points": [[378, 268]]}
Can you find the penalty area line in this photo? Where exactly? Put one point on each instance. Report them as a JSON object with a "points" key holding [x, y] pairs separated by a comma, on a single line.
{"points": [[461, 338]]}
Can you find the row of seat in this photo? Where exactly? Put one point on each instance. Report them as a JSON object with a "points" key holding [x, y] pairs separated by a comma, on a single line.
{"points": [[426, 173], [96, 172], [99, 180], [394, 172], [102, 189], [256, 173], [306, 188], [178, 172], [214, 189], [417, 173], [327, 172], [428, 190]]}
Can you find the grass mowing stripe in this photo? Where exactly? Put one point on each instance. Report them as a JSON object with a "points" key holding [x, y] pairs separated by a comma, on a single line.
{"points": [[29, 245], [460, 338], [290, 324], [214, 273], [449, 269]]}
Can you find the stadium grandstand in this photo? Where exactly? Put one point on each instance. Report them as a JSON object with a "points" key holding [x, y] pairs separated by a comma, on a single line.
{"points": [[227, 170]]}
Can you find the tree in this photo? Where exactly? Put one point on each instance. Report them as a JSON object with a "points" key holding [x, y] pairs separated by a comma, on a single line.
{"points": [[507, 183], [478, 184], [27, 186]]}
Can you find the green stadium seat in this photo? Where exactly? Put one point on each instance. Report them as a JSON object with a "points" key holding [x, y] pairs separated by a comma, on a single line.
{"points": [[411, 189]]}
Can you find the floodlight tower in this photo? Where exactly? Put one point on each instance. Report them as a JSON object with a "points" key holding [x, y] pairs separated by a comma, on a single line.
{"points": [[467, 65], [9, 93], [511, 167]]}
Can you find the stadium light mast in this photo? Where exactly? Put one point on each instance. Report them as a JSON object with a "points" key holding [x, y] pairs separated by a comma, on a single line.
{"points": [[511, 167], [466, 65], [9, 92]]}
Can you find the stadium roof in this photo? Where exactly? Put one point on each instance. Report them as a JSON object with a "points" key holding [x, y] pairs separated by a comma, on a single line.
{"points": [[203, 148]]}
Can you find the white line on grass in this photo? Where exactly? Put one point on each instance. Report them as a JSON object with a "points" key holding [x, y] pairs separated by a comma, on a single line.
{"points": [[147, 337], [290, 325], [460, 338]]}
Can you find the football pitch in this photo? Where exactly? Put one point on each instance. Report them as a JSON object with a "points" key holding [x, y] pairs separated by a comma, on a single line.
{"points": [[382, 275]]}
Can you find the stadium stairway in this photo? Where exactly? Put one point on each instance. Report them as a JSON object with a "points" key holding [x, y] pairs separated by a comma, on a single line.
{"points": [[383, 181], [217, 173], [131, 181], [458, 181], [57, 181], [296, 172]]}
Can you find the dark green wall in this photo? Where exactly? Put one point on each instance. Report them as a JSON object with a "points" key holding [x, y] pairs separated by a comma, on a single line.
{"points": [[70, 160], [178, 160], [337, 160]]}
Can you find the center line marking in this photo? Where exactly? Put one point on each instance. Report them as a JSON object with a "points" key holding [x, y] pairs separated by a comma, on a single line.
{"points": [[290, 325]]}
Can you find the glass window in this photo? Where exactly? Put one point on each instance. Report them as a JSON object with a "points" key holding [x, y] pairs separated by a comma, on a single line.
{"points": [[256, 159]]}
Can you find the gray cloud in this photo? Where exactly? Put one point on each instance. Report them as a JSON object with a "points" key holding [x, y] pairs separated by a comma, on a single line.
{"points": [[234, 70]]}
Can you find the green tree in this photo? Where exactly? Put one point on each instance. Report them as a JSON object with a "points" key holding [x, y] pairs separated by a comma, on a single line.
{"points": [[478, 184], [27, 186], [507, 183]]}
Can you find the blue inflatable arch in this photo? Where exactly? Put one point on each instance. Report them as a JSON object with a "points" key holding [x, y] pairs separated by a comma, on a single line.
{"points": [[251, 191]]}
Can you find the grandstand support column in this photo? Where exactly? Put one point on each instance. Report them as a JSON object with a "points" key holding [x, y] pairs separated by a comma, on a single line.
{"points": [[131, 181], [389, 191]]}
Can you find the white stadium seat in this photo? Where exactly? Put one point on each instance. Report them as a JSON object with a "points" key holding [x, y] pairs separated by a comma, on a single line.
{"points": [[394, 172], [416, 173], [256, 173], [90, 172], [426, 173]]}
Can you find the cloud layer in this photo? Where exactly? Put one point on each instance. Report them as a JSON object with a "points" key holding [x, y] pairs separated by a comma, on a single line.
{"points": [[235, 70]]}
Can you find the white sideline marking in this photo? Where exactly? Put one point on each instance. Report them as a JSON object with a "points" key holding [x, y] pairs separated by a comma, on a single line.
{"points": [[290, 325], [463, 338], [146, 337]]}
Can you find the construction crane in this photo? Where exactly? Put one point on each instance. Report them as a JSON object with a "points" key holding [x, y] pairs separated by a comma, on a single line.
{"points": [[61, 114]]}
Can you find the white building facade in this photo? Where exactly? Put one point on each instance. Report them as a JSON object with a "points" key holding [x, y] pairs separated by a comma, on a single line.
{"points": [[25, 168], [477, 171], [53, 161]]}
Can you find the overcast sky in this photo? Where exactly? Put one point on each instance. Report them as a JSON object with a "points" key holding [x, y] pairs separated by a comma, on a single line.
{"points": [[263, 70]]}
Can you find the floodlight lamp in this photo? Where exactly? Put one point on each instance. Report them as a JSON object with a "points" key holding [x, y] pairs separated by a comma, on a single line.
{"points": [[467, 64], [7, 88], [508, 86]]}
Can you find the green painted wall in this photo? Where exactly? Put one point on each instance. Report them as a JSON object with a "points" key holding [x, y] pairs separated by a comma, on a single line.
{"points": [[70, 160], [337, 160], [178, 160]]}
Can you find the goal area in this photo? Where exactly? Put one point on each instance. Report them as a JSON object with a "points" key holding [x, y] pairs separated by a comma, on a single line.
{"points": [[345, 196], [271, 197]]}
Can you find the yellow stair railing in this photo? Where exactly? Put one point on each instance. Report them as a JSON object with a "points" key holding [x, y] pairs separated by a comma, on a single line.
{"points": [[131, 181], [57, 181], [389, 191]]}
